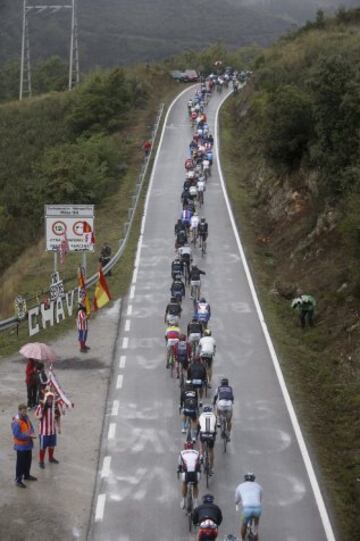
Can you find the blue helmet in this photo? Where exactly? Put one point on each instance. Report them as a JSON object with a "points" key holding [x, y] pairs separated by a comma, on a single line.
{"points": [[208, 498]]}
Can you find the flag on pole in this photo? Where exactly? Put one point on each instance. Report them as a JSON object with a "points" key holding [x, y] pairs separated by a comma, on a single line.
{"points": [[83, 296], [102, 293]]}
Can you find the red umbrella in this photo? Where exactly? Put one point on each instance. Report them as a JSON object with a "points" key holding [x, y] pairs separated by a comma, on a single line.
{"points": [[38, 351]]}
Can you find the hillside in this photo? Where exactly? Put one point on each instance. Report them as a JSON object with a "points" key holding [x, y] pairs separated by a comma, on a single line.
{"points": [[292, 143], [123, 32]]}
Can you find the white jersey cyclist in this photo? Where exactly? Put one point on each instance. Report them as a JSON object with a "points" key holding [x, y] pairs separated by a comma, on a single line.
{"points": [[207, 423], [201, 185], [207, 346], [193, 191], [195, 220]]}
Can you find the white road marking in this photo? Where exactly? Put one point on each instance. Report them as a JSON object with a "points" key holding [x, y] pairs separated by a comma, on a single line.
{"points": [[112, 430], [132, 292], [119, 381], [127, 325], [105, 472], [122, 361], [125, 342], [294, 421], [115, 408], [100, 506], [129, 310]]}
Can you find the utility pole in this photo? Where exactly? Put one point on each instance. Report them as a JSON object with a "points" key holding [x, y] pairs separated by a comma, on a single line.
{"points": [[25, 67]]}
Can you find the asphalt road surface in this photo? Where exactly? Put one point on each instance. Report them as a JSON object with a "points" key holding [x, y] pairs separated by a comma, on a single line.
{"points": [[138, 494]]}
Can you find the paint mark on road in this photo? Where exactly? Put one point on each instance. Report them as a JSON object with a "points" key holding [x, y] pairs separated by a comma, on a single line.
{"points": [[100, 506], [119, 381], [122, 361], [112, 430], [105, 472]]}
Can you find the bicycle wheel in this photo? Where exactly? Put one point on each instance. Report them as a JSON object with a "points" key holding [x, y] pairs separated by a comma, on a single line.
{"points": [[189, 506], [172, 362], [207, 465]]}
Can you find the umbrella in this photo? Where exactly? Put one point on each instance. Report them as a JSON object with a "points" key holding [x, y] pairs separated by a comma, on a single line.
{"points": [[38, 351]]}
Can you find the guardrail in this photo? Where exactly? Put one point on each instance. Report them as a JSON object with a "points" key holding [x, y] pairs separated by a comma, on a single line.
{"points": [[13, 321]]}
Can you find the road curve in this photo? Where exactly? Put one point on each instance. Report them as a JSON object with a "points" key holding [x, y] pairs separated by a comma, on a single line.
{"points": [[137, 496]]}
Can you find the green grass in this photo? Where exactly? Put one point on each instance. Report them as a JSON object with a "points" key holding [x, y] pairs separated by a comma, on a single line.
{"points": [[325, 394]]}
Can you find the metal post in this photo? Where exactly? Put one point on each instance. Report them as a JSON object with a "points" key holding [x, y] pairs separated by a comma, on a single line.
{"points": [[22, 52], [84, 261], [55, 260], [71, 59]]}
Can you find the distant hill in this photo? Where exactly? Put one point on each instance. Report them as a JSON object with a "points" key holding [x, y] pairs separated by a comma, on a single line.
{"points": [[114, 32]]}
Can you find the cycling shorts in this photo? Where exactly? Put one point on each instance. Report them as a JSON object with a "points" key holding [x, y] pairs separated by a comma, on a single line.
{"points": [[207, 358], [197, 383], [209, 437], [192, 414], [194, 337], [190, 477], [172, 342], [225, 405], [249, 512], [195, 283]]}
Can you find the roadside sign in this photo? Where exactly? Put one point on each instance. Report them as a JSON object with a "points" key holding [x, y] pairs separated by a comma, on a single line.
{"points": [[73, 223]]}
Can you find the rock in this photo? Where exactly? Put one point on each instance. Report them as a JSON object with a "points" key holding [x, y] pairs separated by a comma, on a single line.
{"points": [[286, 290], [342, 288]]}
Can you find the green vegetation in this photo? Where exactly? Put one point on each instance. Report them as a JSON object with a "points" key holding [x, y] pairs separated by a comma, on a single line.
{"points": [[291, 144]]}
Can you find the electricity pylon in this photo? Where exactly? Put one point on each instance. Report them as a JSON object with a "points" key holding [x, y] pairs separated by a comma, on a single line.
{"points": [[25, 68]]}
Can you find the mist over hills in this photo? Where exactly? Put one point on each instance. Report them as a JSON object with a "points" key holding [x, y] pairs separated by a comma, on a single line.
{"points": [[113, 32]]}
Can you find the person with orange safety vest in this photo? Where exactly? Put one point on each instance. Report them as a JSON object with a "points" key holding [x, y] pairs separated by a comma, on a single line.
{"points": [[23, 432]]}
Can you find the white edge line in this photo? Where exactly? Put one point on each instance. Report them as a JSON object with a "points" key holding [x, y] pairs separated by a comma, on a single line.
{"points": [[115, 408], [119, 381], [129, 310], [122, 361], [100, 506], [105, 472], [112, 430], [294, 421], [127, 325], [132, 292], [125, 342]]}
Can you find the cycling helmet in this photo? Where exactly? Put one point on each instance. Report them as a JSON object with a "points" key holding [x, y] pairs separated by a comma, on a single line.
{"points": [[173, 299], [202, 299], [224, 381], [182, 337], [249, 477], [202, 220], [207, 409], [207, 332], [208, 498], [231, 537], [188, 445]]}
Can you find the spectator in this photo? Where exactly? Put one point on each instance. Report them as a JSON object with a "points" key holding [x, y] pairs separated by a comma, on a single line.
{"points": [[31, 382], [82, 327], [48, 413], [42, 382], [105, 256], [147, 148], [23, 432], [305, 304]]}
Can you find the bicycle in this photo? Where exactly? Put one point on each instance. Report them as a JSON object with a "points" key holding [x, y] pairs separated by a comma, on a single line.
{"points": [[202, 245], [251, 530], [189, 502], [224, 431], [206, 461], [171, 360]]}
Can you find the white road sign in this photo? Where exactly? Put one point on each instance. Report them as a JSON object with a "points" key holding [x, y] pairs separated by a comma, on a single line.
{"points": [[73, 224]]}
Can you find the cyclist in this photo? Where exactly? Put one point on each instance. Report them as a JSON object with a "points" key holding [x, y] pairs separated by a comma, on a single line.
{"points": [[183, 355], [195, 278], [207, 431], [206, 167], [201, 189], [194, 332], [249, 494], [177, 288], [202, 311], [203, 230], [224, 397], [209, 517], [194, 227], [179, 226], [189, 467], [172, 335], [172, 312], [181, 238], [189, 405], [177, 267], [185, 196], [186, 257], [186, 217], [197, 375], [207, 349]]}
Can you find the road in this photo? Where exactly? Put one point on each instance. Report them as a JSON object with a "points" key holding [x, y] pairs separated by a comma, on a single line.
{"points": [[138, 493]]}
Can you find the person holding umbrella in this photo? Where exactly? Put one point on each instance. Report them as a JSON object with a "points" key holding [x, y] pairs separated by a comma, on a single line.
{"points": [[23, 433]]}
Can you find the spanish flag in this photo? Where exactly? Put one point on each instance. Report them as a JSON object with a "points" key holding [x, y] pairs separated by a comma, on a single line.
{"points": [[82, 291], [102, 293]]}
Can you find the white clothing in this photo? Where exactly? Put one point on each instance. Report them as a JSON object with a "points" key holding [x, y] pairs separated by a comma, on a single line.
{"points": [[207, 422], [206, 164], [190, 174], [193, 191], [194, 222], [207, 345], [201, 186], [184, 250], [249, 494], [189, 459]]}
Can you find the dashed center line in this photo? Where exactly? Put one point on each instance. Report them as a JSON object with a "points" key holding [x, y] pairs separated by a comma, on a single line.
{"points": [[100, 506], [129, 310], [127, 325], [105, 472], [125, 342], [112, 430], [119, 381], [115, 408], [122, 361]]}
